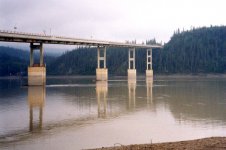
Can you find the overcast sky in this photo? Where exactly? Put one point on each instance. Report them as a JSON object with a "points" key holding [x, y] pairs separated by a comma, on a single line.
{"points": [[116, 20]]}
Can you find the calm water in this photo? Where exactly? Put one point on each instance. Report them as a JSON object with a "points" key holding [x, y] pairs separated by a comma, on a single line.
{"points": [[79, 113]]}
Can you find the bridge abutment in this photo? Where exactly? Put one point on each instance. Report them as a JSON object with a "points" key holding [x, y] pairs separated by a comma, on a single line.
{"points": [[36, 72], [101, 71], [131, 70]]}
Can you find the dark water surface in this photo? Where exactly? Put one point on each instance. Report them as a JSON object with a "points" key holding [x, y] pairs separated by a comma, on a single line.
{"points": [[79, 113]]}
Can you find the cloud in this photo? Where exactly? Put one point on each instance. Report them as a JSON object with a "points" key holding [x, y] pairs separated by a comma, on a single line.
{"points": [[118, 20]]}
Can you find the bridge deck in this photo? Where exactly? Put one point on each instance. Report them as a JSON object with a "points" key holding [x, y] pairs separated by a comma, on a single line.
{"points": [[11, 36]]}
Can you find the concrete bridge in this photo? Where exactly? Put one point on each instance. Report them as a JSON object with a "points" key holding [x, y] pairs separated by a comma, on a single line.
{"points": [[37, 72]]}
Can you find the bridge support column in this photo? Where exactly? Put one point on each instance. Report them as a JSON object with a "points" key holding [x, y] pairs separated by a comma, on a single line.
{"points": [[36, 72], [131, 71], [101, 71], [149, 71]]}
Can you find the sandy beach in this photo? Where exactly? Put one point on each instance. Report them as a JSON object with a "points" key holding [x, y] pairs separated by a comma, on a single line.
{"points": [[216, 143]]}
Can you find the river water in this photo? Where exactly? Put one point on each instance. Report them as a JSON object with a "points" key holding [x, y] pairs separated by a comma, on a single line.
{"points": [[80, 113]]}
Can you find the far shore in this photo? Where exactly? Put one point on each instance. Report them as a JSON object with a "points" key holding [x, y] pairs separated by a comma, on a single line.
{"points": [[218, 143], [139, 76]]}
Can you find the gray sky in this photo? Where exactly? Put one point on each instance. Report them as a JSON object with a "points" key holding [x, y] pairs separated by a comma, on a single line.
{"points": [[116, 20]]}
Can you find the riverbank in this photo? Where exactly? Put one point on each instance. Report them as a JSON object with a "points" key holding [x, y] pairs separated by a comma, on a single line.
{"points": [[218, 143]]}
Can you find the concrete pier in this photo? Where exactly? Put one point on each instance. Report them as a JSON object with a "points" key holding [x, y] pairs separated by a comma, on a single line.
{"points": [[101, 71], [149, 77], [149, 73], [149, 70], [101, 74], [36, 75], [132, 74], [36, 72], [131, 70]]}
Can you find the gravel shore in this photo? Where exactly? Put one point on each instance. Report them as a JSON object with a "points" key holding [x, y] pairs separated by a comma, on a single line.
{"points": [[213, 143]]}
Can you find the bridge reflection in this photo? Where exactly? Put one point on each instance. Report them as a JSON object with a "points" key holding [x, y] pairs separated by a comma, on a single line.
{"points": [[81, 104], [149, 86], [132, 93], [104, 108], [75, 105], [101, 94], [36, 102], [109, 101]]}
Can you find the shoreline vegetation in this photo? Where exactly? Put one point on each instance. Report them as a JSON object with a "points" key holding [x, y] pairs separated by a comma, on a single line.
{"points": [[218, 143]]}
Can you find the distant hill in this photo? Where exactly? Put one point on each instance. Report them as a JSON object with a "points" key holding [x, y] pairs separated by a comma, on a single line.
{"points": [[11, 65], [18, 53], [201, 50], [15, 61]]}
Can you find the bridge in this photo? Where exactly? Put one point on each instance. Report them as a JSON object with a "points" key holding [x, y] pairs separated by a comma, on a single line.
{"points": [[37, 72]]}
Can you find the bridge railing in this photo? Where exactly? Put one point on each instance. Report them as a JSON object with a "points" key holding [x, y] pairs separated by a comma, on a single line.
{"points": [[71, 40]]}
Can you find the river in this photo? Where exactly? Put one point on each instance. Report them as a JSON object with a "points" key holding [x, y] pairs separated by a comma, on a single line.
{"points": [[79, 113]]}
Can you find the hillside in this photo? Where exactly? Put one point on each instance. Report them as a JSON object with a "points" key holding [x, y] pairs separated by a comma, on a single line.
{"points": [[201, 50], [15, 61]]}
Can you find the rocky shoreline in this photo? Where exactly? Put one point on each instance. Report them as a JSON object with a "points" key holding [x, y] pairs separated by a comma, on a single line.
{"points": [[216, 143]]}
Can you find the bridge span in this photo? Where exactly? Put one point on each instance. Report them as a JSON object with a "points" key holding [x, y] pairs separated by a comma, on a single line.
{"points": [[37, 72]]}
